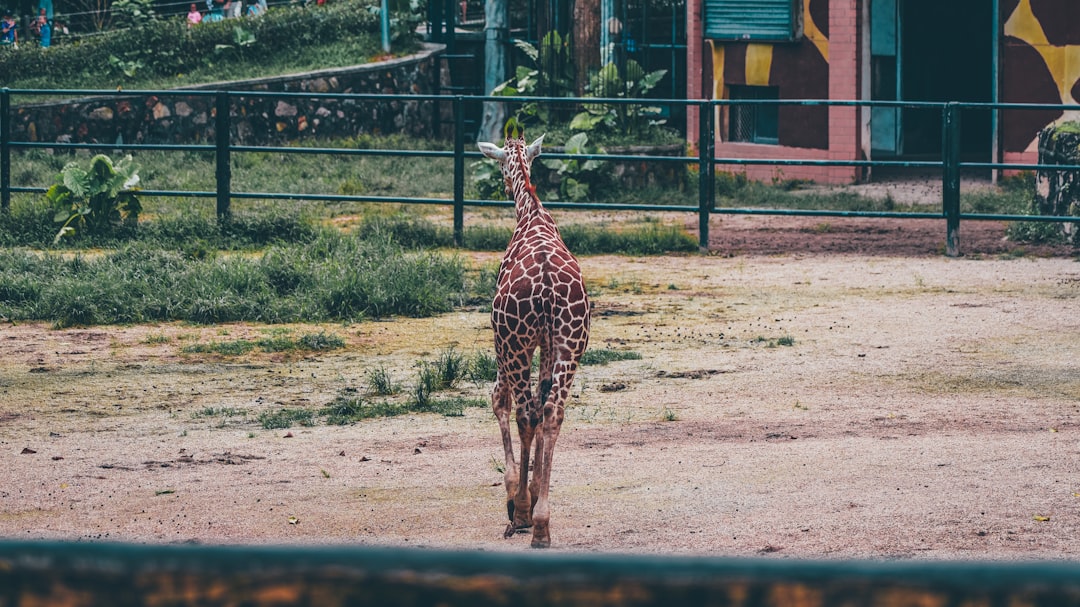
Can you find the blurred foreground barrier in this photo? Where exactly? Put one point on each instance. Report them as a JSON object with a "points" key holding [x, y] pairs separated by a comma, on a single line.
{"points": [[117, 574]]}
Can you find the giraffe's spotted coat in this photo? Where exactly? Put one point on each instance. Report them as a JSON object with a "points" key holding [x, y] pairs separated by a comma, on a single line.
{"points": [[540, 303]]}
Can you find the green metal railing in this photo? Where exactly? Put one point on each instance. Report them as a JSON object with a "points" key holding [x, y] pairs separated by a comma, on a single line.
{"points": [[950, 164], [123, 575]]}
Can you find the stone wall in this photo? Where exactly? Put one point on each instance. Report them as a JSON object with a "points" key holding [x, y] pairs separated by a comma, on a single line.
{"points": [[189, 119]]}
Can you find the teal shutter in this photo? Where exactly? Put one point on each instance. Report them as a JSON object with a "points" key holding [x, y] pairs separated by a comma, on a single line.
{"points": [[774, 20]]}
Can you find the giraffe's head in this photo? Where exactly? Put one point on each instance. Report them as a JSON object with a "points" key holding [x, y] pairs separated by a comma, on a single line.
{"points": [[515, 158]]}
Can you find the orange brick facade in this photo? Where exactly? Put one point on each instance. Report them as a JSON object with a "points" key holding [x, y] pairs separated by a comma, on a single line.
{"points": [[1037, 47]]}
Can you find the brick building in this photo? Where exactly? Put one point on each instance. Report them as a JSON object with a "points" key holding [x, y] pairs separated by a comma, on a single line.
{"points": [[989, 51]]}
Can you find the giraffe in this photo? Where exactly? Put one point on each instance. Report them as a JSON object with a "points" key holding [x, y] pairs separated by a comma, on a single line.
{"points": [[540, 302]]}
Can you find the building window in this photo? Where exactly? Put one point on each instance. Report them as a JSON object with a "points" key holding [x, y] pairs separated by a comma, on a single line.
{"points": [[751, 122], [765, 20]]}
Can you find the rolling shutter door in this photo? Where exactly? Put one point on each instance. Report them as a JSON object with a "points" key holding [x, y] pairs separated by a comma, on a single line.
{"points": [[771, 20]]}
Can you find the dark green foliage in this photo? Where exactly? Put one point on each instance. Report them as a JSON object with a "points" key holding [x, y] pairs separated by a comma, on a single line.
{"points": [[166, 48]]}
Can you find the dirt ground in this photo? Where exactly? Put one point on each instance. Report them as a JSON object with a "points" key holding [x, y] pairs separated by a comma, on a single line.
{"points": [[814, 388]]}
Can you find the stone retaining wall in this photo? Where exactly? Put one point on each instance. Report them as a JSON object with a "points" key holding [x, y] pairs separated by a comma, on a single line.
{"points": [[187, 119]]}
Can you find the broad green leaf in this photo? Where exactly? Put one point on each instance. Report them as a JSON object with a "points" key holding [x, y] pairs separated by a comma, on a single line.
{"points": [[576, 144]]}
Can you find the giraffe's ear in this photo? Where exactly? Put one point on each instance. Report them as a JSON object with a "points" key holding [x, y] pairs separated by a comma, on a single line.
{"points": [[534, 148], [491, 150]]}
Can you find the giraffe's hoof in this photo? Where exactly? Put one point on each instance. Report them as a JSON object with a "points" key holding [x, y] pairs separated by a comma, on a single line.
{"points": [[541, 536], [512, 530]]}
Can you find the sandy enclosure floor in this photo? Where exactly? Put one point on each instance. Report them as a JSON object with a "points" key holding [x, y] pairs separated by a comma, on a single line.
{"points": [[925, 408]]}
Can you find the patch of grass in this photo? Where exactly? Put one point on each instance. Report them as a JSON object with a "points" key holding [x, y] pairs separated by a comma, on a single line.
{"points": [[334, 277], [156, 338], [309, 341], [285, 418], [224, 348], [218, 412], [450, 366], [348, 408], [381, 383], [650, 239], [602, 356], [320, 341], [426, 384], [784, 340], [482, 367]]}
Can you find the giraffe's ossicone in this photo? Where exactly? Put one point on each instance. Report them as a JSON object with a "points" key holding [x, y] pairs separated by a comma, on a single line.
{"points": [[540, 304]]}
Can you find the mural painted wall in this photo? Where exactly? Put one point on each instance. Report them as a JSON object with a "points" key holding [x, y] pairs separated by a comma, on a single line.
{"points": [[1040, 63], [799, 70]]}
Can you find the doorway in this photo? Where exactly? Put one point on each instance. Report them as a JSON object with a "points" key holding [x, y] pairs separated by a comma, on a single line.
{"points": [[930, 50]]}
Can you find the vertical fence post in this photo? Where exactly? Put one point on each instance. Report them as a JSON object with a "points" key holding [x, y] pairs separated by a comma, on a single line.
{"points": [[706, 170], [5, 150], [224, 163], [459, 172], [950, 175]]}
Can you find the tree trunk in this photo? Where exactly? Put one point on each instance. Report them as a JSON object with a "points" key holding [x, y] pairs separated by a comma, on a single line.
{"points": [[586, 42], [496, 35]]}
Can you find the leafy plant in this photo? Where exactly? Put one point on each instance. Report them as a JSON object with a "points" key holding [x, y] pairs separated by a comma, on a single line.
{"points": [[133, 13], [575, 175], [95, 199], [551, 75], [633, 83], [487, 178], [241, 38], [127, 67]]}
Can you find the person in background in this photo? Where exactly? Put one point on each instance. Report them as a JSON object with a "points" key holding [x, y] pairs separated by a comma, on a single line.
{"points": [[216, 10], [256, 8], [43, 29], [194, 17], [9, 34]]}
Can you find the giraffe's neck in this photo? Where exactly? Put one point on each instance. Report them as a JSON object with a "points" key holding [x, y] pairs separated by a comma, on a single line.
{"points": [[526, 202]]}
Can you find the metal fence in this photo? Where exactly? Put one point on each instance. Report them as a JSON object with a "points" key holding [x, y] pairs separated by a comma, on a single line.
{"points": [[122, 575], [950, 164]]}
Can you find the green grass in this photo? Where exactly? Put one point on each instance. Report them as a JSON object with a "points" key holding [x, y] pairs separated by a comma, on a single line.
{"points": [[334, 277], [285, 418], [347, 408], [224, 348], [602, 356]]}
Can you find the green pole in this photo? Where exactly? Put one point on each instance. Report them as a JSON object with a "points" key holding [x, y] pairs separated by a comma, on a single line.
{"points": [[459, 172], [706, 171], [950, 198], [5, 150], [224, 166]]}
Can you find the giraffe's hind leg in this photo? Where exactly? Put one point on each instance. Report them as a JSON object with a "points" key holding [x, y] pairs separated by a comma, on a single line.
{"points": [[501, 403]]}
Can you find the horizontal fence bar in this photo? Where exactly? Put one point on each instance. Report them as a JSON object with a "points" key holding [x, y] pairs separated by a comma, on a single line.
{"points": [[124, 575], [226, 148]]}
